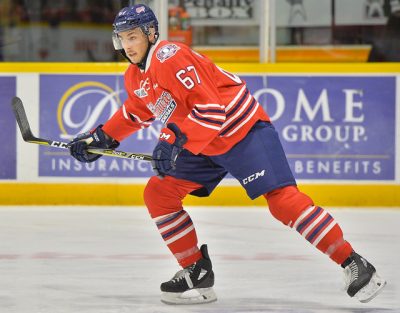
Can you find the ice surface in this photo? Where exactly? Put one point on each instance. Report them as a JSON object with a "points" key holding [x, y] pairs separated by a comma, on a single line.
{"points": [[112, 260]]}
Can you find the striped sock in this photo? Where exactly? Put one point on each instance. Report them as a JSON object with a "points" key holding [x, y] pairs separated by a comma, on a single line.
{"points": [[179, 234], [319, 228]]}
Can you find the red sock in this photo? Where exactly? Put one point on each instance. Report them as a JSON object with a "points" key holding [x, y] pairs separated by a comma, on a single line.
{"points": [[163, 199], [316, 225], [179, 234]]}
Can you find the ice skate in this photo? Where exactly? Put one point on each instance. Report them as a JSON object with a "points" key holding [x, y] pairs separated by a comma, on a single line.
{"points": [[361, 279], [192, 285]]}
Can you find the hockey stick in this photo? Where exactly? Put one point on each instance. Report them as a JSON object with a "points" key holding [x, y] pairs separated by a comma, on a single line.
{"points": [[22, 121]]}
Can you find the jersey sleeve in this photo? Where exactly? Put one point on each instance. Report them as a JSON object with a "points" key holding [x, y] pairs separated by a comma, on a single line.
{"points": [[129, 118], [189, 78], [123, 124]]}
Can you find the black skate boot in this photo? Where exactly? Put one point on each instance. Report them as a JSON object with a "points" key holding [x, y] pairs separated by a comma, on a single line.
{"points": [[361, 278], [191, 285]]}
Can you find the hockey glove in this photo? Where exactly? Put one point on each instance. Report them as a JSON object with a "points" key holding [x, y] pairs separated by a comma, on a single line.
{"points": [[167, 150], [93, 139]]}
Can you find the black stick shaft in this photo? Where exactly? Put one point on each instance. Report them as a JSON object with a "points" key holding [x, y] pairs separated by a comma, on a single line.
{"points": [[27, 135]]}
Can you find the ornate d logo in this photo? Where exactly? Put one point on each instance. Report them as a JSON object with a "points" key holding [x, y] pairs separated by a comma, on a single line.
{"points": [[84, 105]]}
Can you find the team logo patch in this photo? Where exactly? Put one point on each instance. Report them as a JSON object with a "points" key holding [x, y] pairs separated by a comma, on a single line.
{"points": [[167, 51], [144, 87], [140, 9], [164, 107], [141, 93]]}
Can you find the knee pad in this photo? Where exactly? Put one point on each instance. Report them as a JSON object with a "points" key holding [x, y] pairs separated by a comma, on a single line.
{"points": [[286, 204], [164, 196]]}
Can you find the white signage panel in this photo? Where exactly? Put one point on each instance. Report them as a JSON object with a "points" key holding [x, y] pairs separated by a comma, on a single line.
{"points": [[303, 13], [360, 12]]}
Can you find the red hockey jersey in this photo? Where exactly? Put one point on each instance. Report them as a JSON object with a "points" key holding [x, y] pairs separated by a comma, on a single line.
{"points": [[212, 107]]}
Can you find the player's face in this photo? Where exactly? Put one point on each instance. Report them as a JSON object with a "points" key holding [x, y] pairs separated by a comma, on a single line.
{"points": [[135, 44]]}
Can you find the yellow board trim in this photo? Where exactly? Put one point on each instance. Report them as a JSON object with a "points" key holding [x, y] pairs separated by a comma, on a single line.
{"points": [[289, 53], [127, 194], [63, 67], [118, 68]]}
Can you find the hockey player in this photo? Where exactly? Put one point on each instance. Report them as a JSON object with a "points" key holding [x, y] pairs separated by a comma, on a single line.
{"points": [[213, 126]]}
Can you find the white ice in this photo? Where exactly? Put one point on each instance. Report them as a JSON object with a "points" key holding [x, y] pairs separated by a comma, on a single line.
{"points": [[112, 260]]}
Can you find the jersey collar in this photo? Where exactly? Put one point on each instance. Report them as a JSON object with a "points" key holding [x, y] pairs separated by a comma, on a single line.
{"points": [[150, 56]]}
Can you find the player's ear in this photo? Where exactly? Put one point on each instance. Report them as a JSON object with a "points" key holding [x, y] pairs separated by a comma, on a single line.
{"points": [[152, 35]]}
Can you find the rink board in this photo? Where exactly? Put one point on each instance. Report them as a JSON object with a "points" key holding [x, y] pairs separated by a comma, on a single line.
{"points": [[337, 122], [331, 195]]}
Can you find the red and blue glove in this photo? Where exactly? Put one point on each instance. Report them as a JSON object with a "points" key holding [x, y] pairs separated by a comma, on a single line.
{"points": [[170, 144], [93, 139]]}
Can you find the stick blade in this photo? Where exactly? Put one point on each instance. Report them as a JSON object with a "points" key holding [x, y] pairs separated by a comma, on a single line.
{"points": [[22, 120]]}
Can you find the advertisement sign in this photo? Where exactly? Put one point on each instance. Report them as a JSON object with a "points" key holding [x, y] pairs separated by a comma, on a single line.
{"points": [[75, 104], [330, 126], [303, 13], [203, 13], [364, 12], [289, 13], [333, 127], [8, 166]]}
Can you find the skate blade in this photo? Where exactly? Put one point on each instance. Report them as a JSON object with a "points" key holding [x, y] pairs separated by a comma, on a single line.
{"points": [[193, 296], [370, 291]]}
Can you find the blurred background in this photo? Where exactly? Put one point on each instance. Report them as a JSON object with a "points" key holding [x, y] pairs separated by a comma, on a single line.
{"points": [[316, 66], [226, 31]]}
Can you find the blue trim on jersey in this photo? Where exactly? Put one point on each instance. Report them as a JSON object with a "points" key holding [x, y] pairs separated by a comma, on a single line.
{"points": [[206, 119], [209, 111], [238, 104], [244, 115]]}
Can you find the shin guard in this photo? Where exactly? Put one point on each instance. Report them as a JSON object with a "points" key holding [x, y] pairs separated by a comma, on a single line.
{"points": [[163, 199], [316, 225]]}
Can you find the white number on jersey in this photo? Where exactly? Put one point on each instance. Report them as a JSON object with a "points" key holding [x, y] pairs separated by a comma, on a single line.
{"points": [[234, 77], [185, 79]]}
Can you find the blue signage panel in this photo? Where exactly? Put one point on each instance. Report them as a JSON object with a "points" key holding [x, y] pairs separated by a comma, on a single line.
{"points": [[332, 127], [72, 104], [8, 162]]}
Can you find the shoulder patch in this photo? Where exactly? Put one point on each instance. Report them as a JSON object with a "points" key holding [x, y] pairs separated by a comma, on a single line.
{"points": [[167, 51]]}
